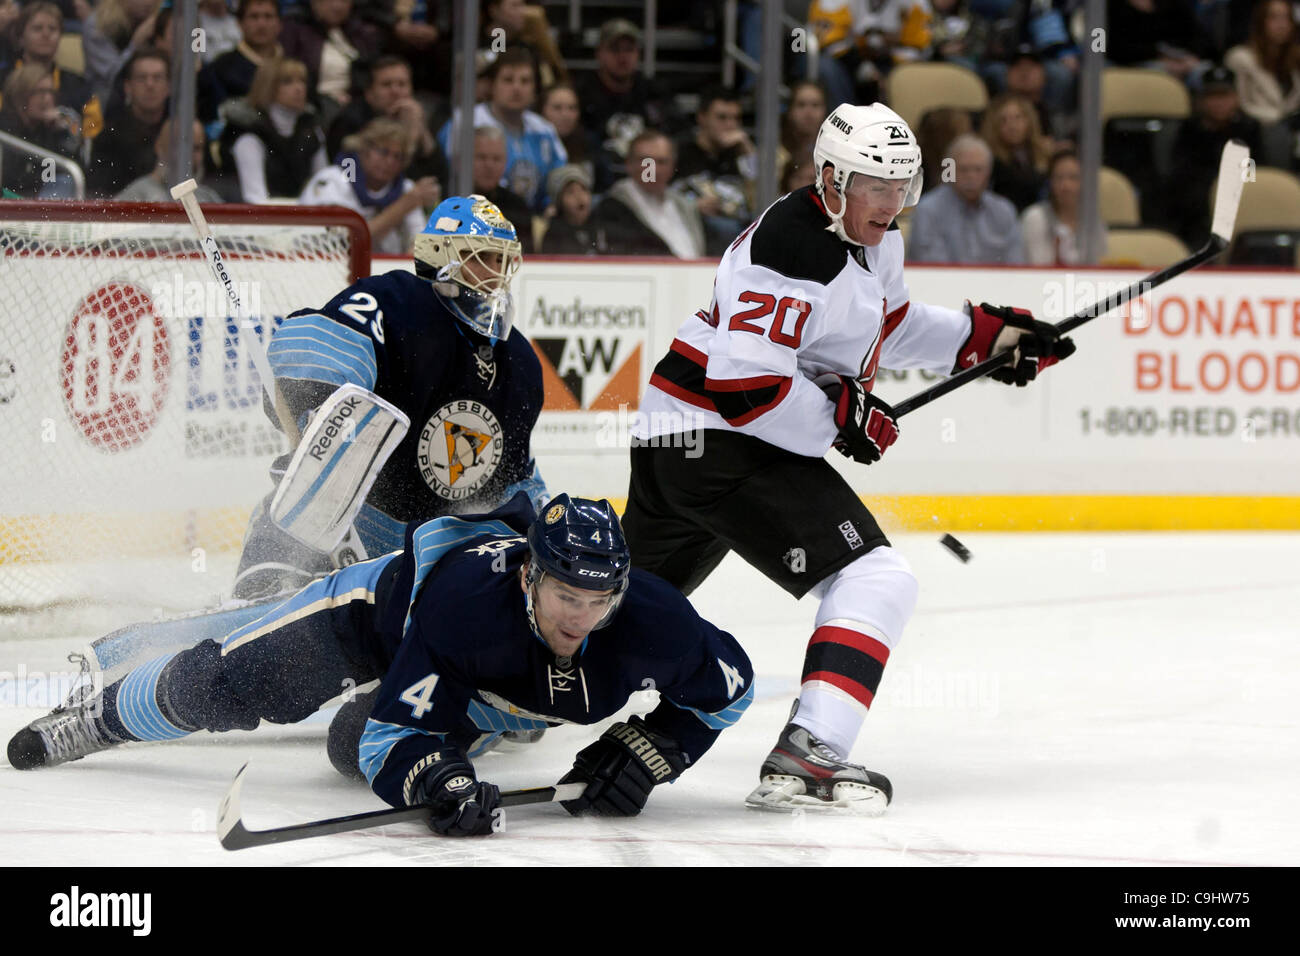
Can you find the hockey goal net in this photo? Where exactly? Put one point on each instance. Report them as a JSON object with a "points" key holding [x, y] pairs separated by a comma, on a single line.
{"points": [[134, 441]]}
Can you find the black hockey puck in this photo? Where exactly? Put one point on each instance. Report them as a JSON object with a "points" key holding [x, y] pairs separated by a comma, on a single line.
{"points": [[956, 547]]}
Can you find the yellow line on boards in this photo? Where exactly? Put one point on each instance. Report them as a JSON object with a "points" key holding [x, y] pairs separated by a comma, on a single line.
{"points": [[1079, 512]]}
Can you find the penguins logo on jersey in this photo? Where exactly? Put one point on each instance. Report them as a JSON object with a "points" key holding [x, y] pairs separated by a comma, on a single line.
{"points": [[459, 449]]}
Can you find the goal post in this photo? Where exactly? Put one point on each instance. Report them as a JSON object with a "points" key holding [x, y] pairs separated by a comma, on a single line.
{"points": [[131, 420]]}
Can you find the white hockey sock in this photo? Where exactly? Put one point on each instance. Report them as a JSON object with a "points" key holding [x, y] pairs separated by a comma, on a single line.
{"points": [[833, 721], [863, 610]]}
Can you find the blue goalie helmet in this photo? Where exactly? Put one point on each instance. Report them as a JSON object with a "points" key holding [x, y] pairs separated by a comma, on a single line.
{"points": [[470, 252], [580, 542]]}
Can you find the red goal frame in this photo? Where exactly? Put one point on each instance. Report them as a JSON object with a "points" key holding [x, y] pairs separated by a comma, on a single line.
{"points": [[30, 210]]}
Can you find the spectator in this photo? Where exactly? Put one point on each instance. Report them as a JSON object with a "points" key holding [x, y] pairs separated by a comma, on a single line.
{"points": [[798, 171], [158, 41], [488, 170], [640, 215], [1026, 76], [1268, 65], [31, 113], [962, 221], [560, 108], [221, 31], [1051, 228], [717, 167], [618, 102], [1035, 35], [109, 38], [271, 137], [803, 118], [37, 32], [388, 93], [533, 148], [422, 44], [329, 38], [1020, 151], [569, 232], [369, 179], [861, 40], [951, 34], [1199, 146], [937, 130], [124, 150], [156, 186], [9, 12], [508, 23], [1158, 34], [230, 75]]}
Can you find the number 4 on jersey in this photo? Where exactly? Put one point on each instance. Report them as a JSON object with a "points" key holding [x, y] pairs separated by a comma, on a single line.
{"points": [[733, 676], [418, 695]]}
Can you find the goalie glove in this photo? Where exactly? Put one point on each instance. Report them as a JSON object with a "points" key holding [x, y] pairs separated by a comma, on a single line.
{"points": [[621, 768], [459, 804], [995, 329], [866, 424]]}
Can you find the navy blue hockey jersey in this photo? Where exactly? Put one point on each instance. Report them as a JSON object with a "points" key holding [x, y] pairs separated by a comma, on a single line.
{"points": [[472, 407], [464, 661]]}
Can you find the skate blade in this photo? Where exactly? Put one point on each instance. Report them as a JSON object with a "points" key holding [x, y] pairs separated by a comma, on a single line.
{"points": [[784, 794]]}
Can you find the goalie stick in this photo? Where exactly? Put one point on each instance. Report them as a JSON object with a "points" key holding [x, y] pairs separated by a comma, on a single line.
{"points": [[1232, 167], [235, 836], [184, 193]]}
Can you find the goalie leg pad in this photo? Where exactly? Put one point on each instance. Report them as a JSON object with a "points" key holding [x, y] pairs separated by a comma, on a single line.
{"points": [[338, 459]]}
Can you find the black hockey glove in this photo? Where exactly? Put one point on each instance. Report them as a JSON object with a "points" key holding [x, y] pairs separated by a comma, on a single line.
{"points": [[459, 805], [621, 768], [866, 423], [997, 328]]}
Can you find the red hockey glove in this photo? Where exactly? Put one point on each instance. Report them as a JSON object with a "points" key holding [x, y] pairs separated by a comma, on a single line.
{"points": [[997, 328], [866, 423]]}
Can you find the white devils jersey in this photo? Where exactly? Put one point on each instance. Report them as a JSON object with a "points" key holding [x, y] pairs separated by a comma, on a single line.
{"points": [[792, 301]]}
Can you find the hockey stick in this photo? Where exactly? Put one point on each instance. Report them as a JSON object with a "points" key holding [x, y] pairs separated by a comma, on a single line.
{"points": [[1232, 166], [235, 836], [184, 193]]}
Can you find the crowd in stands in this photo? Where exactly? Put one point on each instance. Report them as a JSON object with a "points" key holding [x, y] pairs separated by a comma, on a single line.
{"points": [[349, 102]]}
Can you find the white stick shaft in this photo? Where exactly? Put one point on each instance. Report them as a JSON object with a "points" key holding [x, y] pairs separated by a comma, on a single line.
{"points": [[190, 203]]}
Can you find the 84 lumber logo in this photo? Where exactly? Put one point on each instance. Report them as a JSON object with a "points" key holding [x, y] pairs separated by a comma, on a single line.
{"points": [[589, 372]]}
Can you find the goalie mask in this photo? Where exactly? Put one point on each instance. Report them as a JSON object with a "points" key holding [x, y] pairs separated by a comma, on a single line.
{"points": [[579, 541], [470, 252], [861, 143]]}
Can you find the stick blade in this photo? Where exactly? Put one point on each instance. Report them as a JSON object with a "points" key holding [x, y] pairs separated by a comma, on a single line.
{"points": [[1234, 168], [230, 828]]}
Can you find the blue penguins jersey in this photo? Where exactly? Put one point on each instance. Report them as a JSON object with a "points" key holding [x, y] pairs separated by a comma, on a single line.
{"points": [[472, 406], [463, 661]]}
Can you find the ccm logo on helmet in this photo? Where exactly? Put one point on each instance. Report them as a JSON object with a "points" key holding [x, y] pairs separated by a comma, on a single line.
{"points": [[840, 124], [592, 574]]}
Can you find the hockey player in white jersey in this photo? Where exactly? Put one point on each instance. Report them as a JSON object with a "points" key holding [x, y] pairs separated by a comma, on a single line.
{"points": [[808, 303]]}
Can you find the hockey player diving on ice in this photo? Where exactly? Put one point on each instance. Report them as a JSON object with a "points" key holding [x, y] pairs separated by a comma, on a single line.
{"points": [[481, 625]]}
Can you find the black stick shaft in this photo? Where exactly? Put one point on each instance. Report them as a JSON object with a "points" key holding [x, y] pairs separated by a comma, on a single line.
{"points": [[239, 837], [1113, 301]]}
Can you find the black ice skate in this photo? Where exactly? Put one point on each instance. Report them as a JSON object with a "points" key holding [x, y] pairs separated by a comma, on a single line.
{"points": [[802, 773], [66, 733]]}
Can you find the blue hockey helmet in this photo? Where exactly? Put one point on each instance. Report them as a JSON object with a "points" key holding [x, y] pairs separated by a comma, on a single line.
{"points": [[579, 541], [470, 252]]}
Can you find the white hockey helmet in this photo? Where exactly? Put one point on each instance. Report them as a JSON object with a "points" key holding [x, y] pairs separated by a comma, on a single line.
{"points": [[871, 141]]}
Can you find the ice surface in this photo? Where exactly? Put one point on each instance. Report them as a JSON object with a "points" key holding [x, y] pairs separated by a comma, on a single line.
{"points": [[1094, 699]]}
